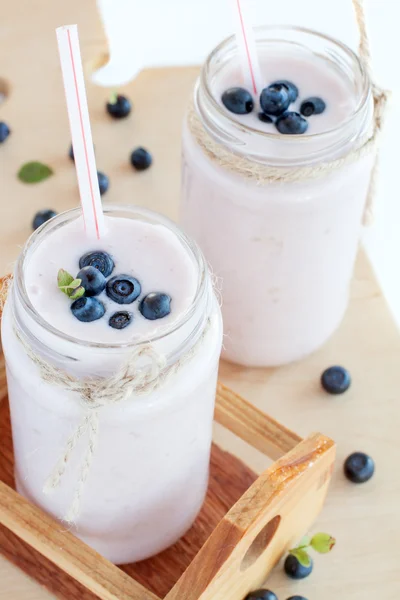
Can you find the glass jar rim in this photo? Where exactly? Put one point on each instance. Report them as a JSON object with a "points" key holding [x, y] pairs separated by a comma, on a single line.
{"points": [[225, 115], [113, 210]]}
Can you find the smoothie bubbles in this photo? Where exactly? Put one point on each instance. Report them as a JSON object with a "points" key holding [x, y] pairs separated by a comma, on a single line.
{"points": [[112, 336], [284, 167]]}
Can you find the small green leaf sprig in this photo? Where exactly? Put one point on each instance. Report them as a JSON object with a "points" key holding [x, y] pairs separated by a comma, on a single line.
{"points": [[322, 543], [70, 286], [34, 171]]}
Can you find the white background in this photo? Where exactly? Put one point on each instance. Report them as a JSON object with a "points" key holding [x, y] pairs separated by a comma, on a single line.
{"points": [[176, 32]]}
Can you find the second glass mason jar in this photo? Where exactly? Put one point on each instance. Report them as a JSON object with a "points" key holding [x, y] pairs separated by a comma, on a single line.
{"points": [[149, 471], [284, 250]]}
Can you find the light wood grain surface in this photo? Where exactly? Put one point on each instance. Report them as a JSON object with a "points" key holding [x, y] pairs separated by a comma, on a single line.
{"points": [[365, 519]]}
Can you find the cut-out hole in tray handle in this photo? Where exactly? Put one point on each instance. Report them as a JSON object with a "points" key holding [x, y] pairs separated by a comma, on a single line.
{"points": [[260, 543]]}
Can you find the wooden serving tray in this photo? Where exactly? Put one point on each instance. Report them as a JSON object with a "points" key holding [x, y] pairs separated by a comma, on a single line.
{"points": [[245, 526]]}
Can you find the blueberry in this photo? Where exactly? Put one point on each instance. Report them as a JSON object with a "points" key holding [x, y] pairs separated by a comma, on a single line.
{"points": [[292, 89], [120, 320], [312, 106], [155, 306], [359, 467], [262, 595], [98, 259], [42, 216], [264, 118], [336, 380], [71, 153], [93, 281], [123, 289], [291, 123], [295, 570], [297, 598], [4, 131], [275, 99], [141, 159], [119, 109], [87, 309], [238, 100], [104, 182]]}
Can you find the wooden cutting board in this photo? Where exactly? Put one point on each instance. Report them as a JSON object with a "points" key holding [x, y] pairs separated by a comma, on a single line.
{"points": [[365, 519]]}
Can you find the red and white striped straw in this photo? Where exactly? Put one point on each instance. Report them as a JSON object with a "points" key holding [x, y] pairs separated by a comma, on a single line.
{"points": [[246, 42], [78, 113]]}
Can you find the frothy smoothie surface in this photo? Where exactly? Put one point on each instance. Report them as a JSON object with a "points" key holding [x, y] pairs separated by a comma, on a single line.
{"points": [[314, 78], [149, 253]]}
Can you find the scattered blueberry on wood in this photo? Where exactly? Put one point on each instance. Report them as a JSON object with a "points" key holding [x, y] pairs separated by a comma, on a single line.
{"points": [[42, 217], [262, 595], [4, 131], [359, 467], [336, 380], [295, 570], [119, 107], [104, 182], [141, 159]]}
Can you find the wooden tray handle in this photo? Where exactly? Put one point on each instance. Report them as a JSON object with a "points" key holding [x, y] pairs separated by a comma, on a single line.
{"points": [[275, 512]]}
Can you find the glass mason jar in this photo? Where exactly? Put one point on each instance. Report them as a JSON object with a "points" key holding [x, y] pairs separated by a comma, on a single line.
{"points": [[149, 471], [283, 249]]}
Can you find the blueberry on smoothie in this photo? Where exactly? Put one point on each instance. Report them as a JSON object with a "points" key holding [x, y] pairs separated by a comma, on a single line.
{"points": [[336, 380], [104, 182], [155, 306], [87, 309], [42, 217], [120, 320], [238, 101], [98, 259], [291, 123], [312, 106], [359, 467], [264, 118], [92, 280], [295, 570], [292, 89], [297, 598], [4, 131], [120, 107], [275, 99], [141, 159], [262, 595], [123, 289]]}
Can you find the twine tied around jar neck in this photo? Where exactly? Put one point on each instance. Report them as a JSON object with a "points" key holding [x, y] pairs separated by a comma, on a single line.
{"points": [[96, 393], [263, 174]]}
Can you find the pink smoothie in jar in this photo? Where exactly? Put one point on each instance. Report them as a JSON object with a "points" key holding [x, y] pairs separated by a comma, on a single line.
{"points": [[283, 250]]}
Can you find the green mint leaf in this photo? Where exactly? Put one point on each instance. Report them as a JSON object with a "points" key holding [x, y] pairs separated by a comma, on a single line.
{"points": [[33, 172], [114, 97], [64, 279], [322, 543], [77, 293], [302, 556], [75, 284], [305, 542]]}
